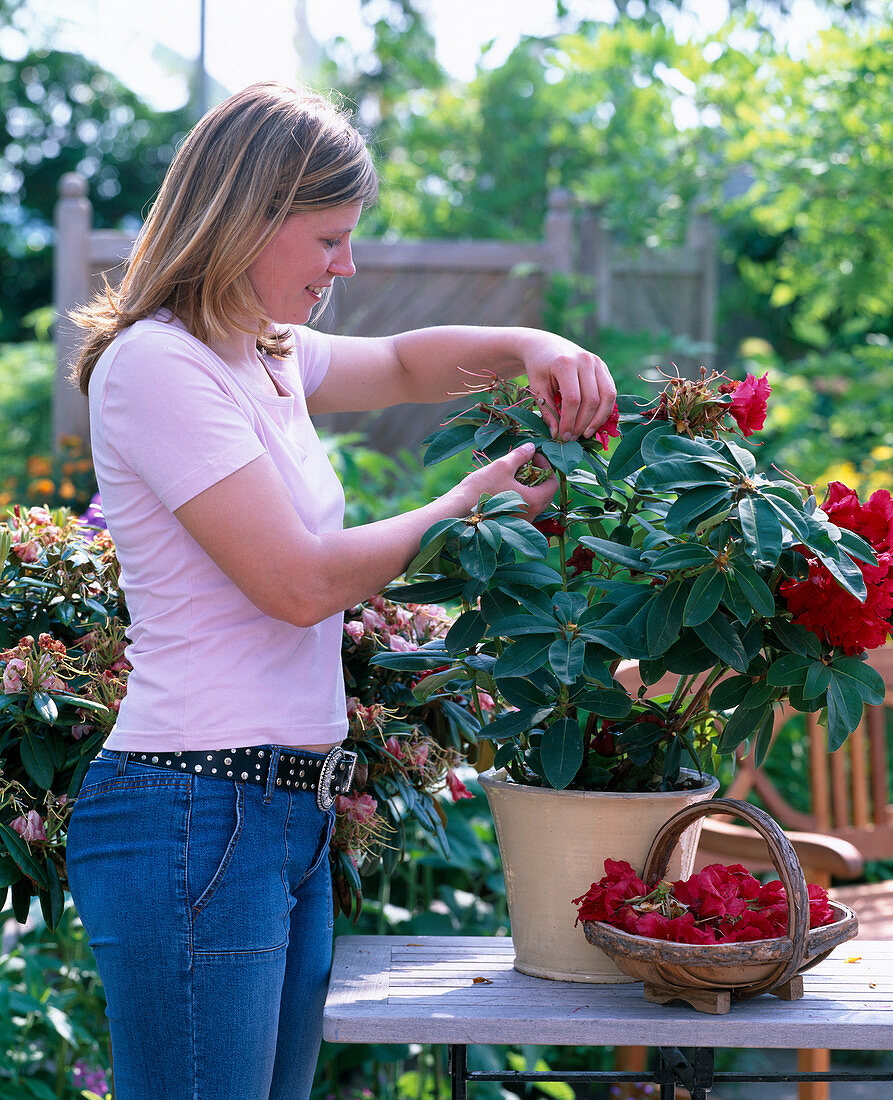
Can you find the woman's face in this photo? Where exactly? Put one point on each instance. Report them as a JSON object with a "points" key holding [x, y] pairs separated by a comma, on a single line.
{"points": [[301, 260]]}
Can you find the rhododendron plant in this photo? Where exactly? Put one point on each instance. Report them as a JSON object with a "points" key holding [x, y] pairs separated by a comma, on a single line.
{"points": [[721, 904], [672, 550]]}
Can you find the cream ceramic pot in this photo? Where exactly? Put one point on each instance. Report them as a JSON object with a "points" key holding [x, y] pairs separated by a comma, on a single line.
{"points": [[553, 846]]}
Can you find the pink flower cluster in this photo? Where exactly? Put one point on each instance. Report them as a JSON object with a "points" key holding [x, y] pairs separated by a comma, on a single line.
{"points": [[398, 628], [29, 668], [31, 531]]}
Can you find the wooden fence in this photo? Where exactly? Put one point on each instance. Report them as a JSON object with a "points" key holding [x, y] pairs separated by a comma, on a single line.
{"points": [[403, 285]]}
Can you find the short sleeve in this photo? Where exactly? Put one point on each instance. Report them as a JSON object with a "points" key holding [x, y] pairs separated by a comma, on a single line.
{"points": [[313, 353], [168, 414]]}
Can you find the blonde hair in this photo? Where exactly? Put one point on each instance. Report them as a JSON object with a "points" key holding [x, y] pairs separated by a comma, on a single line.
{"points": [[265, 153]]}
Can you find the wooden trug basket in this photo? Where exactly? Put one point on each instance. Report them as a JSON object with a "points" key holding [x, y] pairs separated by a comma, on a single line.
{"points": [[709, 976]]}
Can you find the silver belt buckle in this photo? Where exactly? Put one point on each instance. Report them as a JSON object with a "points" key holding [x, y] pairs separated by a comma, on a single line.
{"points": [[325, 796]]}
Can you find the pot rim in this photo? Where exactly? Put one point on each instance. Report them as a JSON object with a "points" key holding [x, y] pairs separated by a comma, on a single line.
{"points": [[493, 779]]}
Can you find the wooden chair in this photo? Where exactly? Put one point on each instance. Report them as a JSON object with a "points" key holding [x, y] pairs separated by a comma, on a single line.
{"points": [[849, 821]]}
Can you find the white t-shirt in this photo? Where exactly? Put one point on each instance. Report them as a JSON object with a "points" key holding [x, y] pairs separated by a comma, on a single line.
{"points": [[169, 419]]}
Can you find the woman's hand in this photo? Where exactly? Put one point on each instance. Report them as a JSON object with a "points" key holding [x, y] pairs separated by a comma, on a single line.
{"points": [[574, 387], [500, 476]]}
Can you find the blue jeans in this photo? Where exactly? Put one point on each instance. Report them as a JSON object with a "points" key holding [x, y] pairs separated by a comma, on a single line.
{"points": [[208, 904]]}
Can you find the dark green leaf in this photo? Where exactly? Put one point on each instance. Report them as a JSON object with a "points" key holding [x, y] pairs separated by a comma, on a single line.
{"points": [[561, 752], [674, 474], [761, 528], [627, 456], [795, 637], [818, 677], [486, 433], [433, 591], [37, 759], [53, 901], [763, 740], [528, 574], [565, 457], [704, 597], [693, 505], [478, 558], [690, 555], [465, 632], [742, 724], [612, 551], [522, 693], [757, 592], [21, 854], [448, 441], [523, 656], [863, 679], [609, 703], [789, 669], [665, 616], [845, 709], [524, 537], [720, 636], [566, 658], [515, 722], [505, 503], [729, 692], [45, 705], [639, 736]]}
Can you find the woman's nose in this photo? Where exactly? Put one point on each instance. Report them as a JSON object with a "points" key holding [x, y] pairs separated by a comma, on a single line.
{"points": [[342, 262]]}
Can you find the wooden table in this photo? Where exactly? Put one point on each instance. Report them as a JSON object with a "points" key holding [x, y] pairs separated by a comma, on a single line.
{"points": [[464, 990]]}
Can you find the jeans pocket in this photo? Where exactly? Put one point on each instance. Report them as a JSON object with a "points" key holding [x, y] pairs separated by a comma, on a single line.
{"points": [[215, 825]]}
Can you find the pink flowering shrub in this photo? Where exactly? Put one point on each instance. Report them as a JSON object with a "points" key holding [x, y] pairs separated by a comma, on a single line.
{"points": [[408, 749], [62, 676]]}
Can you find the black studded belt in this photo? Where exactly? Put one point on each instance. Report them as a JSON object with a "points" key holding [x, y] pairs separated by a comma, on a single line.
{"points": [[328, 775]]}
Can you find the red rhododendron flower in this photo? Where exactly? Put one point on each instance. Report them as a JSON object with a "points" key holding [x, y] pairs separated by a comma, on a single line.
{"points": [[550, 527], [748, 405], [609, 428], [720, 905], [821, 605], [457, 787], [581, 560]]}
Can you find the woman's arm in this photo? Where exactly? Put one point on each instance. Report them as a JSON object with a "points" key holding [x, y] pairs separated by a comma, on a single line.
{"points": [[433, 364], [292, 574]]}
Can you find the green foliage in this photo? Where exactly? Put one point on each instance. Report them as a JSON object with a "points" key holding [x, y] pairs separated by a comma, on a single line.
{"points": [[61, 113], [53, 1037], [831, 417], [815, 134], [27, 371]]}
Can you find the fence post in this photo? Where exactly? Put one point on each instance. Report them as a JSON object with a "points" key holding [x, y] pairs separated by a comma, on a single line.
{"points": [[559, 232], [71, 287], [701, 238]]}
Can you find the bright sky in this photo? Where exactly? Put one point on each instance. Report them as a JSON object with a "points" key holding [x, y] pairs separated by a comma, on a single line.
{"points": [[248, 40]]}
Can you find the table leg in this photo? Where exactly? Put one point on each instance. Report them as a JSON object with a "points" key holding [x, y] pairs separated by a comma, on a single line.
{"points": [[457, 1057]]}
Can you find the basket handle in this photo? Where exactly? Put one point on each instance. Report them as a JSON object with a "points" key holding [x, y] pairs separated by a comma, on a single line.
{"points": [[783, 857]]}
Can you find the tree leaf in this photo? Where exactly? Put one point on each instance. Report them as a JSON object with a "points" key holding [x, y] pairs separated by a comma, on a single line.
{"points": [[561, 752], [523, 656], [761, 528], [37, 759], [845, 709], [524, 537], [447, 441], [693, 504], [615, 552], [565, 457], [720, 636], [703, 597], [478, 557], [515, 722], [627, 456], [465, 632], [566, 658], [755, 589], [864, 679], [432, 591], [665, 616]]}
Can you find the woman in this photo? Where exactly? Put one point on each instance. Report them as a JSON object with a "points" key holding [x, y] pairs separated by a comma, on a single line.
{"points": [[197, 849]]}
